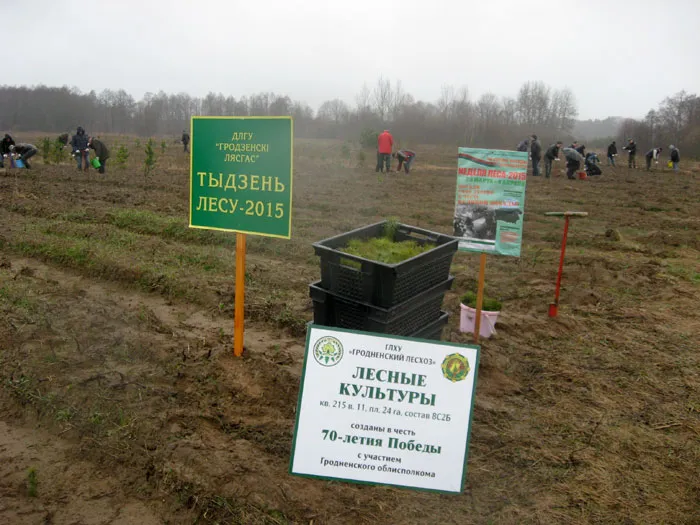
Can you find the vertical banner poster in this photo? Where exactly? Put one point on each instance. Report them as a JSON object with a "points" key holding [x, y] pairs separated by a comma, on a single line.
{"points": [[490, 200], [241, 175], [384, 409]]}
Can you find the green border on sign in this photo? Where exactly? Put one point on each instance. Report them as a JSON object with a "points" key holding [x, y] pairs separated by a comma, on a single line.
{"points": [[479, 158], [311, 326], [291, 175]]}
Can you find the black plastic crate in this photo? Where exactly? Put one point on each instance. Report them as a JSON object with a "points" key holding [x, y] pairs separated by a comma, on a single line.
{"points": [[434, 329], [382, 284], [407, 318]]}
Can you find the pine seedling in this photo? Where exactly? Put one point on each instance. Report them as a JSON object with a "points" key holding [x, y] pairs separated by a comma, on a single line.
{"points": [[122, 156], [149, 163], [46, 150]]}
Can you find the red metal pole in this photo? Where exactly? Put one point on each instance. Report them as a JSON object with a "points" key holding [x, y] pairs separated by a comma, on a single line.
{"points": [[554, 307]]}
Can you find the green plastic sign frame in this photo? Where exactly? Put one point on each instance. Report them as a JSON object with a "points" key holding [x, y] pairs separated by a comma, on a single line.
{"points": [[384, 410]]}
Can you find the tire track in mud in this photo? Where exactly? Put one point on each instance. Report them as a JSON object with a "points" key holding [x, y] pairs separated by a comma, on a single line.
{"points": [[138, 381], [67, 490]]}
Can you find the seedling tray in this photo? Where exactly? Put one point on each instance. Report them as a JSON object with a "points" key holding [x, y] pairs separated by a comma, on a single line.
{"points": [[434, 329], [407, 318], [382, 284]]}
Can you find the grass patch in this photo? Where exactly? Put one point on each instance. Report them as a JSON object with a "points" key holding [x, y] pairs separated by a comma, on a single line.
{"points": [[149, 223], [17, 298], [685, 273]]}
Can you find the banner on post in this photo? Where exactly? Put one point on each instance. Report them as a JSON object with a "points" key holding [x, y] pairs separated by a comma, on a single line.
{"points": [[241, 175], [490, 200], [384, 409]]}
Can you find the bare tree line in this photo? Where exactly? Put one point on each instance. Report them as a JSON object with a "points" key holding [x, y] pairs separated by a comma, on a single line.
{"points": [[54, 109], [676, 121], [454, 118]]}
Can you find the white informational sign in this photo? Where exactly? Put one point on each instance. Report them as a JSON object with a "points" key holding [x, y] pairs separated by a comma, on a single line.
{"points": [[384, 409]]}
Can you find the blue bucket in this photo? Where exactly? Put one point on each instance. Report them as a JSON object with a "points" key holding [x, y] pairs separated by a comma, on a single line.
{"points": [[19, 163]]}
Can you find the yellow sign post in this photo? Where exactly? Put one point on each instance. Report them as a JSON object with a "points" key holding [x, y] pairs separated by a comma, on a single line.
{"points": [[239, 299]]}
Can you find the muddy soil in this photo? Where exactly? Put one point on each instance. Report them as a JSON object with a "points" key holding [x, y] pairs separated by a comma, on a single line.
{"points": [[119, 388]]}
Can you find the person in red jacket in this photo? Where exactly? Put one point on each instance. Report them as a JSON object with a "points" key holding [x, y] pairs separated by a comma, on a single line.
{"points": [[385, 144]]}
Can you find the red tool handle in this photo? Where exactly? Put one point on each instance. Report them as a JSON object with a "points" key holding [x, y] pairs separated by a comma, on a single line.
{"points": [[561, 259]]}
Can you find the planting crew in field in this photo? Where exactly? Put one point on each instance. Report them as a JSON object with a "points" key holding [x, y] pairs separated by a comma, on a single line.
{"points": [[536, 154], [573, 162], [79, 143], [5, 144], [385, 144], [185, 141], [549, 156], [101, 152], [405, 157], [652, 154], [25, 152], [612, 153], [631, 149], [675, 157]]}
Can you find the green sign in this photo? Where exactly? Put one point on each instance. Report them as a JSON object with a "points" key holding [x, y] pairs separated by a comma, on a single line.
{"points": [[241, 175], [490, 200]]}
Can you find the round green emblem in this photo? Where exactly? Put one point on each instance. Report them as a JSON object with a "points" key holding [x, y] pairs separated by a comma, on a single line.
{"points": [[455, 367], [328, 351]]}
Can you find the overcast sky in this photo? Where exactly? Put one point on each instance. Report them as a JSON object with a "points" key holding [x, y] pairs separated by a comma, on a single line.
{"points": [[620, 57]]}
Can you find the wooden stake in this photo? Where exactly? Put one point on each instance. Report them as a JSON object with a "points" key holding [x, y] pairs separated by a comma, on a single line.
{"points": [[238, 317], [479, 297]]}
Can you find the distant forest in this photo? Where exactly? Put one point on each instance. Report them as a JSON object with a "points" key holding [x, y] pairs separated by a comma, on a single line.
{"points": [[489, 121], [587, 130]]}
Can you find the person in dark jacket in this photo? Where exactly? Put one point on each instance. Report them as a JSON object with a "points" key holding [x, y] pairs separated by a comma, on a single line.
{"points": [[652, 154], [405, 157], [185, 141], [675, 157], [101, 152], [631, 150], [591, 164], [573, 162], [536, 154], [79, 143], [5, 144], [25, 152], [523, 145], [581, 149], [612, 153], [549, 156]]}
